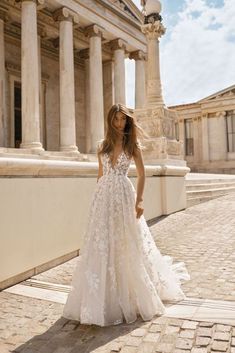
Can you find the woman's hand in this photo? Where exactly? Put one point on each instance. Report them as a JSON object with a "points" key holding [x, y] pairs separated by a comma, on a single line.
{"points": [[139, 208]]}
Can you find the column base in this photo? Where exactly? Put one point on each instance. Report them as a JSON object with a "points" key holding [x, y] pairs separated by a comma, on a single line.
{"points": [[37, 146], [72, 148]]}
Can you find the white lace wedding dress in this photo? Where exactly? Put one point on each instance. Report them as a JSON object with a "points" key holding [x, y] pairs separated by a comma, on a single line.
{"points": [[120, 273]]}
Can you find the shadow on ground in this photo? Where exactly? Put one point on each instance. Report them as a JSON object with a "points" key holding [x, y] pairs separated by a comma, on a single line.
{"points": [[73, 337]]}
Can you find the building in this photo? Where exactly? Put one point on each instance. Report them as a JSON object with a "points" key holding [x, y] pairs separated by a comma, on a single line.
{"points": [[207, 129], [63, 62]]}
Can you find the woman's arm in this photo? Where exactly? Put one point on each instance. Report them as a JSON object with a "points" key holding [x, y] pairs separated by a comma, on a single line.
{"points": [[140, 182], [100, 170]]}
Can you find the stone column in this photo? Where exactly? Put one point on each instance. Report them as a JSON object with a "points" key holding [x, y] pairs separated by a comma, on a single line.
{"points": [[29, 76], [66, 19], [205, 140], [84, 54], [2, 80], [119, 47], [140, 82], [153, 31], [195, 141], [217, 136], [95, 87]]}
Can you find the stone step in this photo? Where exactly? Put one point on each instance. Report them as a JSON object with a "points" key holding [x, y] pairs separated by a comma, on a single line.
{"points": [[195, 197], [202, 187], [197, 200], [206, 186]]}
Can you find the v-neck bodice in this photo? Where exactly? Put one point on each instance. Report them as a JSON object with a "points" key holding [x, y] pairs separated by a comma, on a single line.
{"points": [[120, 167]]}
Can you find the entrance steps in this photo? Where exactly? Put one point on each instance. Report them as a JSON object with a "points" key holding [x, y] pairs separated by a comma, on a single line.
{"points": [[202, 187]]}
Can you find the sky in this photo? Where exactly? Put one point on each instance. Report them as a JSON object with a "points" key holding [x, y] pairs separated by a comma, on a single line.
{"points": [[197, 53]]}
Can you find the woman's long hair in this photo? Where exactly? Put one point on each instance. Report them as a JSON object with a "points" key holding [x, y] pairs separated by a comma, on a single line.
{"points": [[132, 132]]}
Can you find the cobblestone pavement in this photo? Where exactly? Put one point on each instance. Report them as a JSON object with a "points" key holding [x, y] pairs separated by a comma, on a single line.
{"points": [[203, 236]]}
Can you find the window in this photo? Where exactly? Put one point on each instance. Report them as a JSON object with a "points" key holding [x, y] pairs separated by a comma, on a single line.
{"points": [[188, 125], [230, 127]]}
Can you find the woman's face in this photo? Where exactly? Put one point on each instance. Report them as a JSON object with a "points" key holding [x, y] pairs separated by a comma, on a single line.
{"points": [[119, 121]]}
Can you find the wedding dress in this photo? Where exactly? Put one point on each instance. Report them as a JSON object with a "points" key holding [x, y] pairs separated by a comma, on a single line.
{"points": [[120, 273]]}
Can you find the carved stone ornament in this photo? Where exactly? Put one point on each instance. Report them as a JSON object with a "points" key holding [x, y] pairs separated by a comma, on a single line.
{"points": [[94, 31], [38, 2], [153, 30], [118, 44], [65, 14], [138, 55]]}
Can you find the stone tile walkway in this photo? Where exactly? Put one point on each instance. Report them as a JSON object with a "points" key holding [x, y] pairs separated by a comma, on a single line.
{"points": [[203, 236]]}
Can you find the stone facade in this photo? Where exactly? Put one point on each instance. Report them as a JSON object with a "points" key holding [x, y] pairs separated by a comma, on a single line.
{"points": [[61, 69], [207, 129]]}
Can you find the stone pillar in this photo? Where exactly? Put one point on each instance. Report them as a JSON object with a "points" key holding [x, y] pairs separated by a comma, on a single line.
{"points": [[30, 79], [66, 19], [41, 33], [95, 87], [140, 82], [153, 31], [217, 136], [2, 81], [195, 141], [119, 47], [205, 139], [84, 54]]}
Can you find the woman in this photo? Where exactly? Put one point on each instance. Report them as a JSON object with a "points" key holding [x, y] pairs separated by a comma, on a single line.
{"points": [[120, 272]]}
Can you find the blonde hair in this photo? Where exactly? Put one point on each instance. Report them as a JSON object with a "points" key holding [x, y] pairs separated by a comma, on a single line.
{"points": [[132, 132]]}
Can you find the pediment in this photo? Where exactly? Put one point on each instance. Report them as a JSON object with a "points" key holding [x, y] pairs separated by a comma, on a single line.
{"points": [[129, 8], [225, 93]]}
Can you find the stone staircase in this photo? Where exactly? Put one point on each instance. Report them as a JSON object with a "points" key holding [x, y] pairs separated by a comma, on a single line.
{"points": [[204, 187]]}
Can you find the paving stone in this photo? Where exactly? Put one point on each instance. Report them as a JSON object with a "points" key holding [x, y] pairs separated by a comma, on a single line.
{"points": [[219, 346], [184, 343], [187, 333], [190, 324], [172, 329], [204, 332], [206, 324], [139, 332], [155, 328], [146, 347], [203, 341], [133, 341], [165, 348], [128, 349], [222, 336], [151, 337], [233, 341], [199, 350], [223, 328]]}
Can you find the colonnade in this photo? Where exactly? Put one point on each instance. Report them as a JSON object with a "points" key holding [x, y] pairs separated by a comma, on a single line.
{"points": [[30, 77]]}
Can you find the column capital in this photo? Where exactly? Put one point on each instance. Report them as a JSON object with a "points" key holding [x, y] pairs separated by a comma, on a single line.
{"points": [[153, 30], [37, 2], [138, 55], [94, 31], [118, 44], [220, 114], [65, 14]]}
